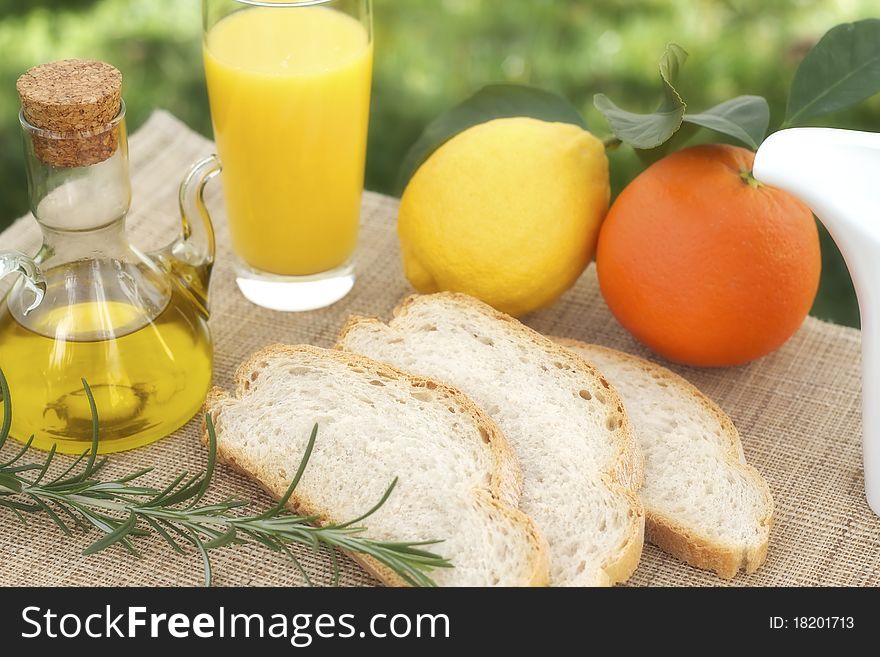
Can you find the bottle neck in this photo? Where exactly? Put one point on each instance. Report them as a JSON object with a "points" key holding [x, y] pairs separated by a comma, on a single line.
{"points": [[103, 242], [80, 203]]}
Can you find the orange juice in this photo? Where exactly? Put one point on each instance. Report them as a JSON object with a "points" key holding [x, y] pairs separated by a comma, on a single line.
{"points": [[290, 98]]}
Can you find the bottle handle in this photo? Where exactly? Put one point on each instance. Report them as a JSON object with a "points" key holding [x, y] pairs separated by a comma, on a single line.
{"points": [[190, 258], [196, 245], [32, 276]]}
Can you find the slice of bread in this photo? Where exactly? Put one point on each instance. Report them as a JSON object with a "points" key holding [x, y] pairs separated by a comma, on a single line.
{"points": [[704, 504], [581, 466], [459, 481]]}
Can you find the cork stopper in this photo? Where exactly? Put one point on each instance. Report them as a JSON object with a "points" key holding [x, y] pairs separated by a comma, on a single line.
{"points": [[74, 101]]}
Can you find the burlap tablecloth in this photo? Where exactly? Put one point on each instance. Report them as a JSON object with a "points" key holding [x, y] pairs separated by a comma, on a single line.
{"points": [[798, 412]]}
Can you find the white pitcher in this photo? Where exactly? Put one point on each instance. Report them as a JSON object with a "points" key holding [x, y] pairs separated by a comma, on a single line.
{"points": [[837, 173]]}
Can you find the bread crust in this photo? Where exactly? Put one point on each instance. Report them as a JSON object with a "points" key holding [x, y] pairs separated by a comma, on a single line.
{"points": [[627, 475], [684, 543], [505, 484]]}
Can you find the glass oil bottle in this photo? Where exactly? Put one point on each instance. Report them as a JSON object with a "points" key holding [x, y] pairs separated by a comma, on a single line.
{"points": [[90, 306]]}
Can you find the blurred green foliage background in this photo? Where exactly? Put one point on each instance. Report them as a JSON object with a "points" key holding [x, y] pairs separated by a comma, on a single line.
{"points": [[433, 53]]}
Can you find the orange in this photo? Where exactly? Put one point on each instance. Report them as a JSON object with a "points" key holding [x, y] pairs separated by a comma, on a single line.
{"points": [[703, 264]]}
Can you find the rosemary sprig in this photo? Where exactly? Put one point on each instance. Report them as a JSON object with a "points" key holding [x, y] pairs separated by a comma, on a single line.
{"points": [[123, 511]]}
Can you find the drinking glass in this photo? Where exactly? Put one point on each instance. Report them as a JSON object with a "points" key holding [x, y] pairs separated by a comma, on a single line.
{"points": [[289, 86]]}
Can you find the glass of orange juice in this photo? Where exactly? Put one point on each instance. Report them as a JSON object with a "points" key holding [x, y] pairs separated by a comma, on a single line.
{"points": [[289, 87]]}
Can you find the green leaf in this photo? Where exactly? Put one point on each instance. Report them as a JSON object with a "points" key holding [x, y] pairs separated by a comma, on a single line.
{"points": [[93, 448], [647, 131], [10, 483], [7, 409], [122, 530], [745, 118], [651, 155], [841, 70], [491, 102]]}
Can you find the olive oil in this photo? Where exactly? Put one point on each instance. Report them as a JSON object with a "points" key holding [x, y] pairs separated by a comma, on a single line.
{"points": [[149, 372]]}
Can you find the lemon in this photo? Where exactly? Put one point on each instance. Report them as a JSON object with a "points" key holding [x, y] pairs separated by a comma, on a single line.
{"points": [[508, 211]]}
